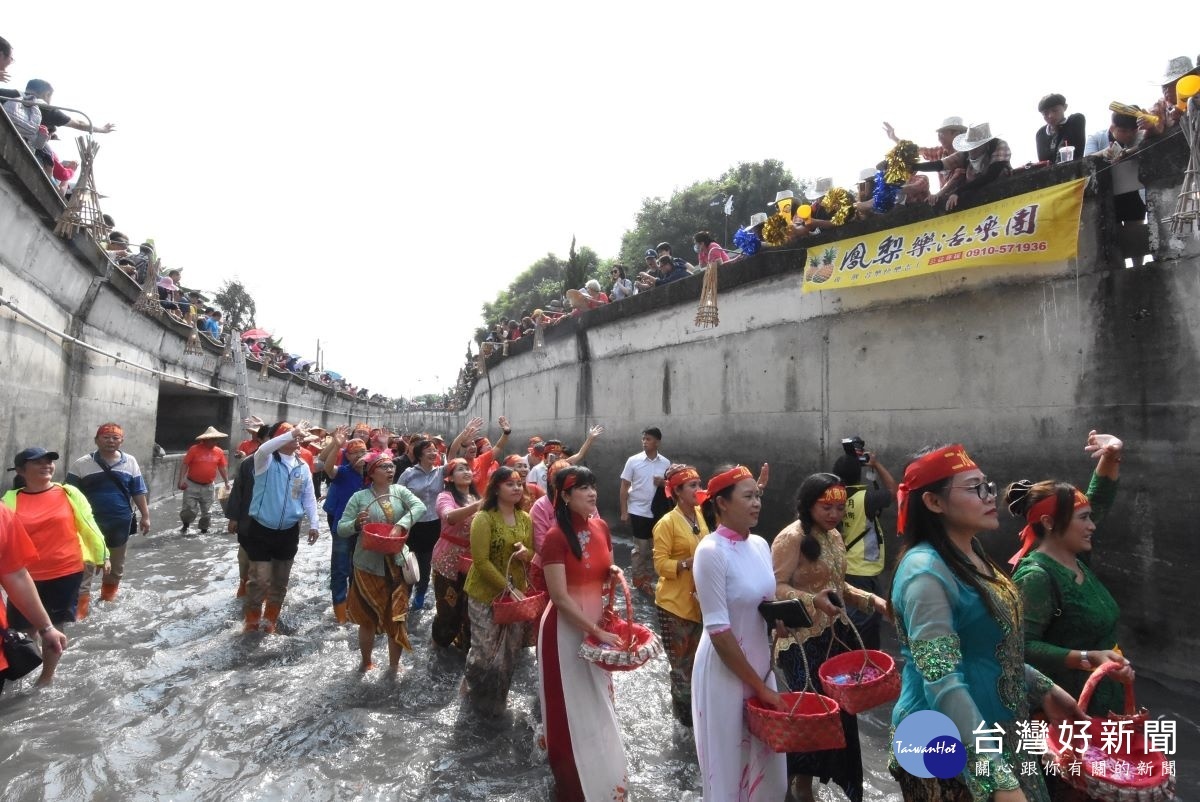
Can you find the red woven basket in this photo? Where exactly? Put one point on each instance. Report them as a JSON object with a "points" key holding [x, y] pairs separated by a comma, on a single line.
{"points": [[1121, 780], [638, 644], [859, 695], [378, 538], [509, 609], [812, 724]]}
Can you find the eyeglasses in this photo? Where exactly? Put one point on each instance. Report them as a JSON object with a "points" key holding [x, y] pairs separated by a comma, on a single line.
{"points": [[984, 489]]}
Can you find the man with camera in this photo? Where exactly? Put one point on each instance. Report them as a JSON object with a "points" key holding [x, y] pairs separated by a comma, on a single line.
{"points": [[861, 532]]}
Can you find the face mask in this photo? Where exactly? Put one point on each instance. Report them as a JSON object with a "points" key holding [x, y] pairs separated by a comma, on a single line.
{"points": [[696, 247]]}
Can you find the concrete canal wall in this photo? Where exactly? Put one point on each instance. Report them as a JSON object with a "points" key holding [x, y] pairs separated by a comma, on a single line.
{"points": [[1016, 362]]}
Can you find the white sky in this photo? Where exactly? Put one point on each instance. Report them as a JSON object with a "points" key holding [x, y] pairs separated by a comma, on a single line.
{"points": [[371, 168]]}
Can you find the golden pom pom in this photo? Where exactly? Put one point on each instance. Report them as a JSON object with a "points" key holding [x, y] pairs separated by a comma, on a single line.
{"points": [[777, 229]]}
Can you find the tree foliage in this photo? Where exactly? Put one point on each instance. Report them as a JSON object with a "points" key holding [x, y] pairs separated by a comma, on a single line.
{"points": [[540, 283], [700, 206], [237, 305], [674, 220]]}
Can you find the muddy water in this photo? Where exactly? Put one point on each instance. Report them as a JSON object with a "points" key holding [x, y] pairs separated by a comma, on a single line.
{"points": [[160, 696]]}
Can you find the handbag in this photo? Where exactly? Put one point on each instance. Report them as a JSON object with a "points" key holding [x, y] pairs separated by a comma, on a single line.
{"points": [[21, 653], [410, 569]]}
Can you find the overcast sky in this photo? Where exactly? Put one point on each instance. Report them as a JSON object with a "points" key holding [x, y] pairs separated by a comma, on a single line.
{"points": [[374, 171]]}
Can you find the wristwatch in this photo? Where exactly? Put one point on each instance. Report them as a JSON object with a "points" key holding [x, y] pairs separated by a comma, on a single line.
{"points": [[1083, 659]]}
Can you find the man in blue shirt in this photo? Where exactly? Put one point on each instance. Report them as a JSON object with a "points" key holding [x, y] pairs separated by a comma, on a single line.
{"points": [[344, 461], [112, 482]]}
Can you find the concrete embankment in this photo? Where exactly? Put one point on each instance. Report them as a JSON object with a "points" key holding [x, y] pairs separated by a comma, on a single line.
{"points": [[1017, 362], [74, 353]]}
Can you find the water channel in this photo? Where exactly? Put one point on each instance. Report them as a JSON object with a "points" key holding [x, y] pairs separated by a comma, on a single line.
{"points": [[161, 697]]}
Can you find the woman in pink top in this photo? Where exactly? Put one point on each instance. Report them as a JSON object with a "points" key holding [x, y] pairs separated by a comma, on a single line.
{"points": [[707, 250], [456, 506], [542, 514]]}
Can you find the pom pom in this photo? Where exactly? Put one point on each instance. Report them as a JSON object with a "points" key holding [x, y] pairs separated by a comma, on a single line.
{"points": [[838, 203], [746, 241], [900, 162], [885, 194], [777, 229]]}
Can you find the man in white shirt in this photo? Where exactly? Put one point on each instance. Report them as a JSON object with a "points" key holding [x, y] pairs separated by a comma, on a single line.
{"points": [[641, 478]]}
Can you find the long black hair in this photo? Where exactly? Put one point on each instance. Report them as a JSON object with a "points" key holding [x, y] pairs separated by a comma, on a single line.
{"points": [[926, 526], [501, 475], [811, 490], [562, 513]]}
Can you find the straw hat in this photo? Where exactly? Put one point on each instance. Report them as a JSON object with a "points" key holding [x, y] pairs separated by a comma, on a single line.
{"points": [[757, 219], [785, 194], [867, 174], [954, 124], [211, 433], [974, 137], [577, 299], [822, 186], [1176, 69]]}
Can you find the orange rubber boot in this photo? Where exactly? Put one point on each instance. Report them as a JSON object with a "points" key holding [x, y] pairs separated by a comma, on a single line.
{"points": [[272, 618], [253, 616], [83, 606], [108, 591], [339, 612]]}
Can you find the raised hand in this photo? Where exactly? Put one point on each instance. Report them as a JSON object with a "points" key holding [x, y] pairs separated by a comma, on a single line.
{"points": [[595, 432], [1099, 445]]}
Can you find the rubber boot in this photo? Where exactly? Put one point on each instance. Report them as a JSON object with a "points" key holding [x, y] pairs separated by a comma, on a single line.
{"points": [[83, 606], [108, 591], [418, 600], [271, 618], [339, 612], [253, 616], [241, 591]]}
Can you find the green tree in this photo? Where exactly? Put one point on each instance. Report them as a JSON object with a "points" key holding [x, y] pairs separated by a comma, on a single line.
{"points": [[539, 284], [237, 305], [701, 206]]}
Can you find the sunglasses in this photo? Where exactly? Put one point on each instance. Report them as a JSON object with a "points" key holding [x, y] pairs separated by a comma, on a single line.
{"points": [[984, 489]]}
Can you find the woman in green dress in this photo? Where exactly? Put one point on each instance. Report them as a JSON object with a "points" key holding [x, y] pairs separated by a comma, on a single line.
{"points": [[1070, 617]]}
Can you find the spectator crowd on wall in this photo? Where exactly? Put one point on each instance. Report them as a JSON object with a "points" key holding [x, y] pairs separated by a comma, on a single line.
{"points": [[39, 123]]}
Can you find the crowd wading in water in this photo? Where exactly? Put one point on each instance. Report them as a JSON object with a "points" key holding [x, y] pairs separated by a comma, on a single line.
{"points": [[976, 644]]}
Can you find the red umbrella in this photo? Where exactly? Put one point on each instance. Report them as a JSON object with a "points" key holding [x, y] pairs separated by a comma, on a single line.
{"points": [[255, 334]]}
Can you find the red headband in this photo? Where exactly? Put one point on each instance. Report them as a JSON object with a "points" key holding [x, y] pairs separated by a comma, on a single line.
{"points": [[1046, 506], [569, 482], [681, 478], [376, 458], [834, 494], [724, 480], [512, 459], [933, 467], [110, 428], [452, 466]]}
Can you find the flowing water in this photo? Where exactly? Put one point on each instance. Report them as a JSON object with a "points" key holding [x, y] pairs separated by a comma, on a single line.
{"points": [[160, 696]]}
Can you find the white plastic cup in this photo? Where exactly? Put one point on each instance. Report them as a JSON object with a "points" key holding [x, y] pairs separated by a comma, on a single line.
{"points": [[1066, 153]]}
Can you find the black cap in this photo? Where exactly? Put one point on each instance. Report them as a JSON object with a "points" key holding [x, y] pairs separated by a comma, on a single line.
{"points": [[30, 454]]}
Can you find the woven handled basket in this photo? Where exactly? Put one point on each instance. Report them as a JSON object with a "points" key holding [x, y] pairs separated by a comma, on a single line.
{"points": [[813, 722], [1111, 776], [638, 645], [378, 537], [861, 687], [513, 607]]}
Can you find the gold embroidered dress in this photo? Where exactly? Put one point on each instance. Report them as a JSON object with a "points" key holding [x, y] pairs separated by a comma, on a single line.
{"points": [[968, 664]]}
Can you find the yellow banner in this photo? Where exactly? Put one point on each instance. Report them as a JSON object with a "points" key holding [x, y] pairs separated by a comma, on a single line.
{"points": [[1039, 226]]}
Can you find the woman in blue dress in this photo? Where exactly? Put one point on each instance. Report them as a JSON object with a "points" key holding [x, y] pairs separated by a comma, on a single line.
{"points": [[959, 620]]}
